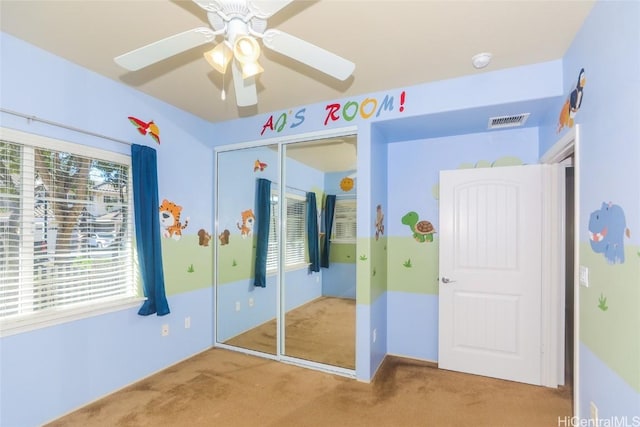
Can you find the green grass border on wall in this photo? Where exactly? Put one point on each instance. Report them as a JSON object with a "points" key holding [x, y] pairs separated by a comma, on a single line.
{"points": [[236, 260], [363, 271], [379, 266], [612, 334], [187, 265], [420, 275], [344, 253]]}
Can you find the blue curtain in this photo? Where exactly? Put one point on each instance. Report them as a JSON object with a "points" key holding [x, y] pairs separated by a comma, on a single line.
{"points": [[329, 209], [312, 232], [144, 170], [263, 218]]}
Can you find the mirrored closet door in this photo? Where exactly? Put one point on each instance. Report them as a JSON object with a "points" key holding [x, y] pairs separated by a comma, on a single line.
{"points": [[265, 231], [319, 301], [245, 313]]}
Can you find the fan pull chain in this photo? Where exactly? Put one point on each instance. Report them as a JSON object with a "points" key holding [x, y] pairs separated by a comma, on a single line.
{"points": [[223, 95]]}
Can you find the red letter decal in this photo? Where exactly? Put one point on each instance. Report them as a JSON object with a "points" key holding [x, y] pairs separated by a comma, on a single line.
{"points": [[269, 125], [332, 108]]}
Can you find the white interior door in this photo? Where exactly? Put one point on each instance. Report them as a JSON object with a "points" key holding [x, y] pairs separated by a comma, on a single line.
{"points": [[490, 272]]}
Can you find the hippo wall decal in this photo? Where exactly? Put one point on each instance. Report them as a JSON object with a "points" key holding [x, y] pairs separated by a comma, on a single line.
{"points": [[607, 229]]}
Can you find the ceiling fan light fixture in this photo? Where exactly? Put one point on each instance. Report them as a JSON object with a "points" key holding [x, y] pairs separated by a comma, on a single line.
{"points": [[246, 49], [250, 69], [243, 25], [219, 57]]}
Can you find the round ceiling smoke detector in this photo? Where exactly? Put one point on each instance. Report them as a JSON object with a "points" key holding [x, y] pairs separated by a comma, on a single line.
{"points": [[481, 60]]}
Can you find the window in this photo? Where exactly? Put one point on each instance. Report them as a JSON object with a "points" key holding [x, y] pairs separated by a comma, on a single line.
{"points": [[111, 199], [344, 222], [295, 242], [56, 255], [295, 232]]}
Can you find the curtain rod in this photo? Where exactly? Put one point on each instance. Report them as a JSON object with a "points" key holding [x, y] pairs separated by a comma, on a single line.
{"points": [[289, 187], [353, 196], [60, 125], [297, 189]]}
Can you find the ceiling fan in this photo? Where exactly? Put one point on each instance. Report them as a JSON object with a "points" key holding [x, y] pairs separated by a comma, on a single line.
{"points": [[241, 23]]}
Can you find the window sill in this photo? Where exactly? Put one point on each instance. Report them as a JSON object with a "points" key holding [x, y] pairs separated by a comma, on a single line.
{"points": [[299, 266], [30, 323]]}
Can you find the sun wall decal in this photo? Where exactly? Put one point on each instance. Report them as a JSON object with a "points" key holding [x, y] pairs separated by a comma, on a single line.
{"points": [[346, 184]]}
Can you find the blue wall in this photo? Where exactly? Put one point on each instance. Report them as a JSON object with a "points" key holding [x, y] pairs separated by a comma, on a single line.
{"points": [[468, 102], [412, 185], [339, 280], [59, 368], [50, 371], [607, 47]]}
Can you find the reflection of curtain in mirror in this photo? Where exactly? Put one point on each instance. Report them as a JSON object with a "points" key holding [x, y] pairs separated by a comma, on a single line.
{"points": [[329, 208], [312, 232], [263, 218], [145, 200]]}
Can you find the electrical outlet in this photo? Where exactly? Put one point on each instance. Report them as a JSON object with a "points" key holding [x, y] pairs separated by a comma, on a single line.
{"points": [[237, 305], [187, 322], [593, 409], [375, 335], [250, 302], [584, 276], [165, 330]]}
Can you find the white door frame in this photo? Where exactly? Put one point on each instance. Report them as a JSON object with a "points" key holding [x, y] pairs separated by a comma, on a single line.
{"points": [[568, 144]]}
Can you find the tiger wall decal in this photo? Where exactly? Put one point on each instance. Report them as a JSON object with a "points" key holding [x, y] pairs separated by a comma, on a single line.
{"points": [[248, 219], [170, 220]]}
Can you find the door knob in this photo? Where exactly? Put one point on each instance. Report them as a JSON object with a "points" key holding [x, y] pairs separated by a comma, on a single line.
{"points": [[447, 280]]}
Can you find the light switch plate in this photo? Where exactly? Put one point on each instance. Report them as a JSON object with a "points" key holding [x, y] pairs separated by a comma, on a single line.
{"points": [[584, 276]]}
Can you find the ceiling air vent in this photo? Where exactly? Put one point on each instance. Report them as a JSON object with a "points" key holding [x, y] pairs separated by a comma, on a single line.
{"points": [[508, 121]]}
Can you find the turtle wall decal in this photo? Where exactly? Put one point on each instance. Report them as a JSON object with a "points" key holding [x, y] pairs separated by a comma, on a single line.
{"points": [[422, 230]]}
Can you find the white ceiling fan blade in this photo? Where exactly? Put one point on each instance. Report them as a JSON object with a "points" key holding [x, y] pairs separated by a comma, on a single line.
{"points": [[165, 48], [307, 53], [265, 9], [246, 92], [209, 5]]}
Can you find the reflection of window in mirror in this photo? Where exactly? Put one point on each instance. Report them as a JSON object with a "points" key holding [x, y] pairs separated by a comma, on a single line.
{"points": [[345, 222], [296, 240]]}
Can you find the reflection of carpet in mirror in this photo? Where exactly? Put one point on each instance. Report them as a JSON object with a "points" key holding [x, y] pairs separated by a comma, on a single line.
{"points": [[323, 330]]}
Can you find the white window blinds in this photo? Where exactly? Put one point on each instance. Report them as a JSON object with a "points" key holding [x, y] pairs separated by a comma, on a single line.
{"points": [[344, 222], [295, 232], [272, 246], [65, 228]]}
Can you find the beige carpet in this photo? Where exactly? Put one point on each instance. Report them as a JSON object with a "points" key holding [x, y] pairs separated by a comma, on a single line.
{"points": [[225, 388], [323, 330]]}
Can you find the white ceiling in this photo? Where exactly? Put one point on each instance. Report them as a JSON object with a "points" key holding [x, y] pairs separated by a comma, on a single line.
{"points": [[327, 155], [393, 44]]}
